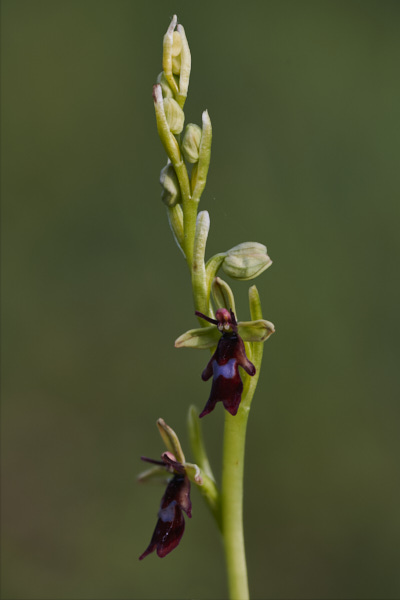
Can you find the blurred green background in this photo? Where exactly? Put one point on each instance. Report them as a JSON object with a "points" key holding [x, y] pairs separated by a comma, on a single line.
{"points": [[304, 100]]}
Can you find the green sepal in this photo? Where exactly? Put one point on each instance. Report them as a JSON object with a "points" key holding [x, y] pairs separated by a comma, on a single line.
{"points": [[204, 337], [255, 303], [152, 473], [171, 440], [212, 266], [222, 294], [255, 331], [194, 473]]}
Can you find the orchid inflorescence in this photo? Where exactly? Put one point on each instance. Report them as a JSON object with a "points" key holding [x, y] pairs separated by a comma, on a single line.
{"points": [[234, 344]]}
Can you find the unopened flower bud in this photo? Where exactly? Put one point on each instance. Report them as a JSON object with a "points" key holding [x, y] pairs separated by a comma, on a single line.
{"points": [[171, 193], [246, 261], [191, 142], [174, 115]]}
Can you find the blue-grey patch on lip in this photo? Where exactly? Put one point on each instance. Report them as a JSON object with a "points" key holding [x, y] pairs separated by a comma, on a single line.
{"points": [[167, 514], [228, 370]]}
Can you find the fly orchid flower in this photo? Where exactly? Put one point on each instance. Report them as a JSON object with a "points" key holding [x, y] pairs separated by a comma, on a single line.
{"points": [[171, 523], [227, 385]]}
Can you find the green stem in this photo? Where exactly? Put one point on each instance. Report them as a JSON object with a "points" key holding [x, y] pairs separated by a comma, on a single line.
{"points": [[232, 473], [232, 504]]}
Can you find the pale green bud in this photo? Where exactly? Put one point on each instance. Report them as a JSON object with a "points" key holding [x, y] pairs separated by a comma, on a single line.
{"points": [[191, 142], [246, 261], [174, 115], [171, 193]]}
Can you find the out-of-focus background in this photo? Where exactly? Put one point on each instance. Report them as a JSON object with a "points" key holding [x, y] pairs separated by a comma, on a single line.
{"points": [[304, 100]]}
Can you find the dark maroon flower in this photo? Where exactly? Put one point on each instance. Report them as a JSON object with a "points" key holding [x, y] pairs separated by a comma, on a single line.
{"points": [[227, 385], [171, 523]]}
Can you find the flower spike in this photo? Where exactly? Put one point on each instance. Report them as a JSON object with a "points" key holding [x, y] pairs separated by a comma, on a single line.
{"points": [[227, 385]]}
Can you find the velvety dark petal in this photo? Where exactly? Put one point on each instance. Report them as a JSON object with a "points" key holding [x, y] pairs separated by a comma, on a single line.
{"points": [[227, 390], [208, 371], [209, 407], [168, 532], [240, 355], [171, 523]]}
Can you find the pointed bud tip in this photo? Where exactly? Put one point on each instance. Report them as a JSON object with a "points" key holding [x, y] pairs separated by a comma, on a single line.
{"points": [[157, 93], [172, 25]]}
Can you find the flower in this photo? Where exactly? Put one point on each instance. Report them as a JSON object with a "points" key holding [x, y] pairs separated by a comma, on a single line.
{"points": [[171, 523], [227, 385]]}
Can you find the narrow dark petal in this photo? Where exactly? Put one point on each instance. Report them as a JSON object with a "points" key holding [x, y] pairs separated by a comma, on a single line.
{"points": [[199, 314], [153, 462]]}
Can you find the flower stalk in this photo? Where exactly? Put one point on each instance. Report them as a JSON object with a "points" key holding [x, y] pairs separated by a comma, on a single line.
{"points": [[236, 347]]}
